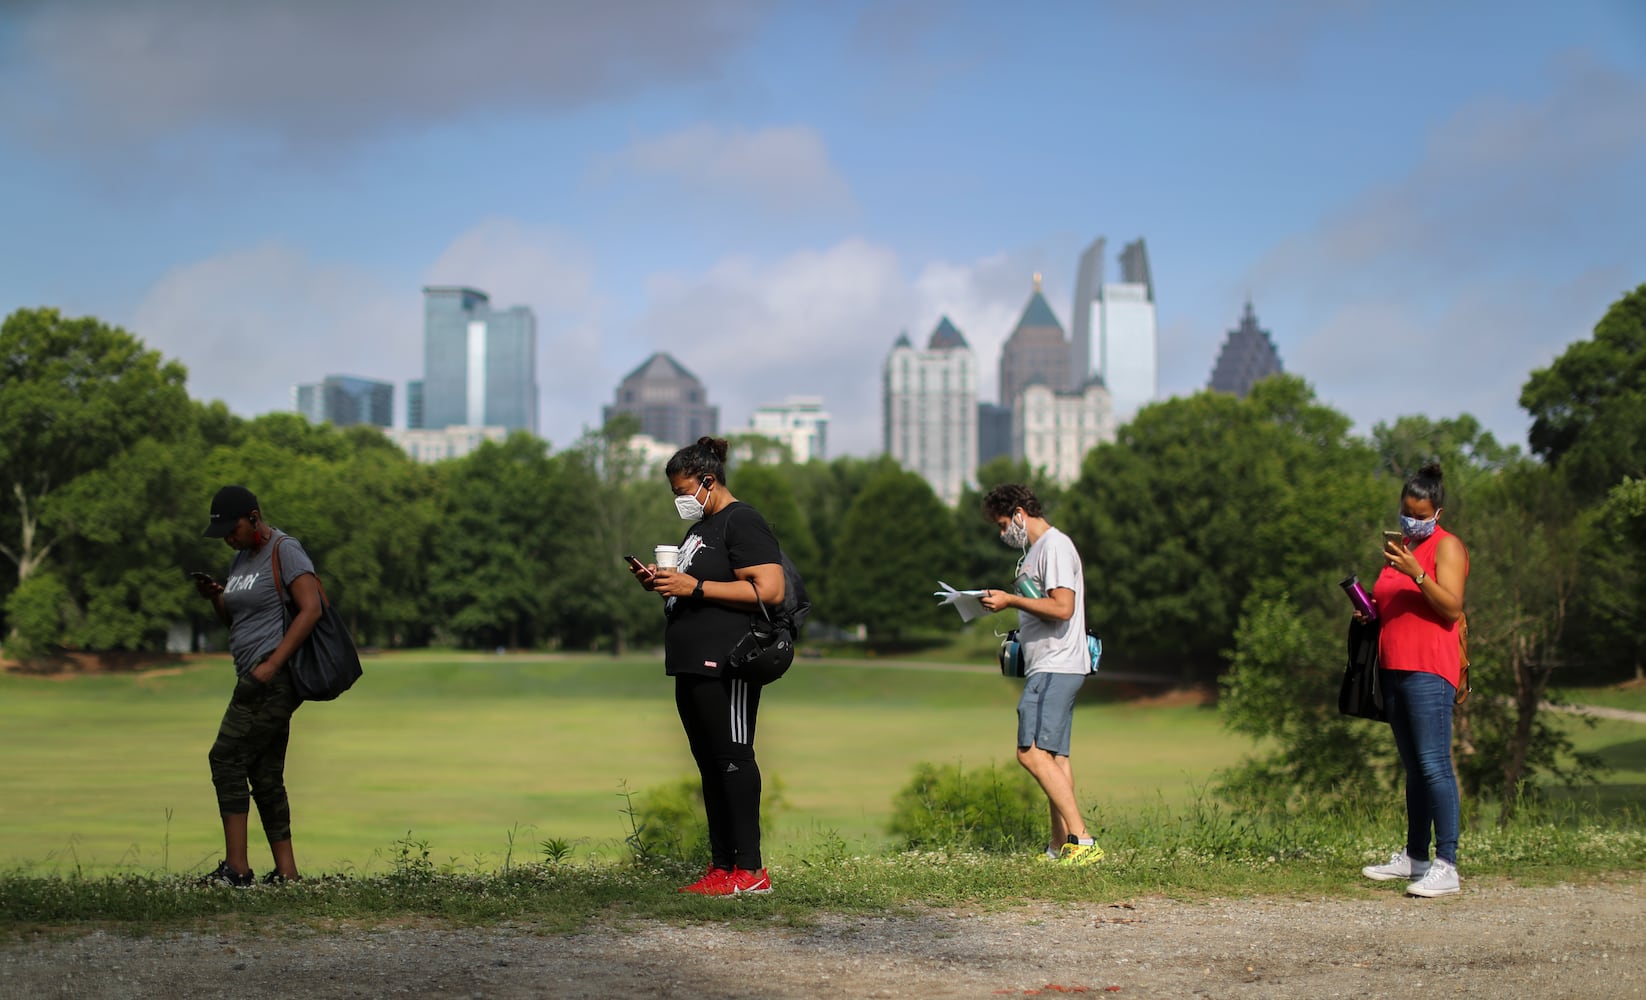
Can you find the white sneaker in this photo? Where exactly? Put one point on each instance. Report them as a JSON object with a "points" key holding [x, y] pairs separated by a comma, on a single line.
{"points": [[1441, 880], [1401, 865]]}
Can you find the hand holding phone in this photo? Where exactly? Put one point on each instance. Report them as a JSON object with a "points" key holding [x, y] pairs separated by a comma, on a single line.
{"points": [[204, 583], [1394, 538], [638, 568]]}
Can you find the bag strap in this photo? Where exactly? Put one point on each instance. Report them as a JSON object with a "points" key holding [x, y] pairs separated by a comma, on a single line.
{"points": [[280, 589]]}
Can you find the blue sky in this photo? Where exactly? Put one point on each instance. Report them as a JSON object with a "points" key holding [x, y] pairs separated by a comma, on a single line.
{"points": [[1424, 201]]}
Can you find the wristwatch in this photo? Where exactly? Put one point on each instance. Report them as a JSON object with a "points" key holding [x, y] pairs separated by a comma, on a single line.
{"points": [[697, 591], [1418, 579]]}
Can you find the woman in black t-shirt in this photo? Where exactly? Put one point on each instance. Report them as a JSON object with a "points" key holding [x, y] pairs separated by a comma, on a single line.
{"points": [[729, 561]]}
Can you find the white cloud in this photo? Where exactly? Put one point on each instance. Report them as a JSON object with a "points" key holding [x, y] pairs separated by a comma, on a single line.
{"points": [[251, 323], [782, 169], [821, 323]]}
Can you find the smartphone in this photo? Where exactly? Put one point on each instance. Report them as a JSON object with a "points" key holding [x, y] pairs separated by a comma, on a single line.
{"points": [[637, 566], [1395, 537], [202, 577]]}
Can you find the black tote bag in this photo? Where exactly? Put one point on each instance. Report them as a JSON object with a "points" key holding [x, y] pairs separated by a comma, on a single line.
{"points": [[1361, 695], [327, 664]]}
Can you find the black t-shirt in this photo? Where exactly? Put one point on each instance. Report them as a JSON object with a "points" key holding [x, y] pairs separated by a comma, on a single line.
{"points": [[701, 633]]}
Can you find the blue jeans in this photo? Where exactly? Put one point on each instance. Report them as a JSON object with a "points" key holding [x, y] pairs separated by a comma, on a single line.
{"points": [[1420, 713]]}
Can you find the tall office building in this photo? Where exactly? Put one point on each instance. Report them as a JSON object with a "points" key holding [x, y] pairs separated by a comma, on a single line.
{"points": [[344, 400], [1248, 355], [479, 364], [414, 404], [671, 403], [1118, 320], [930, 416], [1054, 428], [1036, 351], [994, 432], [799, 422]]}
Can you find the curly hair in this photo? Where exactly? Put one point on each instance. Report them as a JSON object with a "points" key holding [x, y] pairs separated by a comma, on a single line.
{"points": [[1002, 500], [705, 457]]}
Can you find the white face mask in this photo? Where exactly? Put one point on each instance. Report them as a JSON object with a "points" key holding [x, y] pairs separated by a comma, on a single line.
{"points": [[689, 507], [1017, 533]]}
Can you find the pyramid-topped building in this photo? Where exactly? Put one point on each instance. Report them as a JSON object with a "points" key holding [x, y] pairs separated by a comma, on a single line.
{"points": [[1248, 354]]}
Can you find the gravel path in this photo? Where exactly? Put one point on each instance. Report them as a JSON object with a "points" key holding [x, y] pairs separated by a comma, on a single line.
{"points": [[1493, 940]]}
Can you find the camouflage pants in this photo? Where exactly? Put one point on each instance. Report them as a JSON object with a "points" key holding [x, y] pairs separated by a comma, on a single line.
{"points": [[250, 753]]}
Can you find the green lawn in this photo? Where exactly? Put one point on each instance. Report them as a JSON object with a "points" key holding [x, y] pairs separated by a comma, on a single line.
{"points": [[459, 750]]}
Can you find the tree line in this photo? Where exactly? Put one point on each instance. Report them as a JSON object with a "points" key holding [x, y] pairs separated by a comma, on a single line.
{"points": [[1207, 513]]}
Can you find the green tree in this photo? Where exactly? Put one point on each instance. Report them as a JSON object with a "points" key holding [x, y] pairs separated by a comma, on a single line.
{"points": [[1204, 499], [74, 394], [1281, 690], [1524, 571], [500, 522], [826, 492], [1588, 408], [896, 542]]}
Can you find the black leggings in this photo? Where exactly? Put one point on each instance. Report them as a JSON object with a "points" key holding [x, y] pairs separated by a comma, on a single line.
{"points": [[718, 714]]}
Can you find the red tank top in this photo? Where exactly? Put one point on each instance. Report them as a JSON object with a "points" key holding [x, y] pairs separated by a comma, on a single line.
{"points": [[1413, 636]]}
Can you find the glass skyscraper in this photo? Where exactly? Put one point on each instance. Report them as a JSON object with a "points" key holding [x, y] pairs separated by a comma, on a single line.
{"points": [[479, 365], [344, 400]]}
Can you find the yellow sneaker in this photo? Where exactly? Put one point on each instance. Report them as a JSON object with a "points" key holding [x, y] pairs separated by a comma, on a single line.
{"points": [[1076, 853]]}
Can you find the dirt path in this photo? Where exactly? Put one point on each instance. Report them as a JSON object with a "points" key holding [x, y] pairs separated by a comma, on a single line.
{"points": [[1494, 940]]}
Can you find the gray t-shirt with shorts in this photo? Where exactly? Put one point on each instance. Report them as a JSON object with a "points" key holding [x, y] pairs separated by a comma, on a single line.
{"points": [[253, 604], [1054, 646]]}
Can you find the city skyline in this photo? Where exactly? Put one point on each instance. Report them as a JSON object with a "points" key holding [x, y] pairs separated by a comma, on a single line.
{"points": [[771, 190]]}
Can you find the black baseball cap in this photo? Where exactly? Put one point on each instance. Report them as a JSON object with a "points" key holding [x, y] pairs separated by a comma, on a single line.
{"points": [[227, 508]]}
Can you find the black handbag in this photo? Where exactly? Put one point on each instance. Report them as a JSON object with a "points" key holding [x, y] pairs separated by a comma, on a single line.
{"points": [[327, 664], [1361, 695], [763, 653]]}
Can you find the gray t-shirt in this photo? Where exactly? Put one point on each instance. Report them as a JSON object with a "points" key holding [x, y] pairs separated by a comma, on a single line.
{"points": [[1052, 646], [253, 604]]}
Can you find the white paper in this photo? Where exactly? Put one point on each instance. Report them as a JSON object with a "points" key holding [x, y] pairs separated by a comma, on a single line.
{"points": [[965, 601]]}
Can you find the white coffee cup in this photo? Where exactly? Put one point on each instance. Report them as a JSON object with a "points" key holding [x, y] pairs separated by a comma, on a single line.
{"points": [[667, 557]]}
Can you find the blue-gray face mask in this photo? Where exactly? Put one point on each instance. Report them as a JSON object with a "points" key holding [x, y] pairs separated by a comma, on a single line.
{"points": [[1413, 527]]}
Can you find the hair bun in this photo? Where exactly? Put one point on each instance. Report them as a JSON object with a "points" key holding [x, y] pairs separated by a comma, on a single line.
{"points": [[715, 446], [1431, 469]]}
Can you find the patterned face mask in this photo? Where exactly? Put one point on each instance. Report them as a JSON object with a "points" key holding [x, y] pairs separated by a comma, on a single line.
{"points": [[1016, 534], [1413, 527]]}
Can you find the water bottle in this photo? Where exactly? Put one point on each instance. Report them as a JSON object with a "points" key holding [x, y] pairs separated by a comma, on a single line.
{"points": [[1357, 596]]}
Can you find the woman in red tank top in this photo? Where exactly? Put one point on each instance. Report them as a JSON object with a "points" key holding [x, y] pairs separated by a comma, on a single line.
{"points": [[1419, 598]]}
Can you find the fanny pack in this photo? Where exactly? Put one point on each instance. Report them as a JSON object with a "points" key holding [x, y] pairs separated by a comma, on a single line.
{"points": [[1011, 654]]}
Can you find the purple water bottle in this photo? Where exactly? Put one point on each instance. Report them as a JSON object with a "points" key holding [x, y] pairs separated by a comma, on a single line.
{"points": [[1357, 596]]}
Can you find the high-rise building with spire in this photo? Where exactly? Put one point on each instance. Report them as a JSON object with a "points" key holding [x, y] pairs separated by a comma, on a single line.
{"points": [[1117, 321], [1248, 354], [1036, 351], [930, 415]]}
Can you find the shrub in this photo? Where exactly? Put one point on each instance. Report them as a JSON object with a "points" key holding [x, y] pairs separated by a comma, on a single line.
{"points": [[947, 807]]}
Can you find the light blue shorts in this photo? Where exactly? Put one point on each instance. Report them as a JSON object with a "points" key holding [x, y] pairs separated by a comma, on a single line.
{"points": [[1045, 713]]}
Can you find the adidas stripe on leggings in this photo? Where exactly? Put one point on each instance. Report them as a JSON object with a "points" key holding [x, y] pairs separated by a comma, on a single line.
{"points": [[718, 714]]}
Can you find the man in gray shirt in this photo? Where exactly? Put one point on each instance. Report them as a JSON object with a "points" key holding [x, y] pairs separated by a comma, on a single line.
{"points": [[1050, 597]]}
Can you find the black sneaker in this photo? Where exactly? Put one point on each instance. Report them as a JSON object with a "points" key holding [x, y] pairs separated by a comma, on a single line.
{"points": [[224, 875], [275, 878]]}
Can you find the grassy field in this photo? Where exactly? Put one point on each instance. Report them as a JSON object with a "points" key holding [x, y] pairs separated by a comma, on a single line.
{"points": [[463, 751]]}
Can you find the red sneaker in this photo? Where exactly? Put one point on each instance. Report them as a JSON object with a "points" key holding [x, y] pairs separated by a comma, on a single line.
{"points": [[715, 882], [741, 882]]}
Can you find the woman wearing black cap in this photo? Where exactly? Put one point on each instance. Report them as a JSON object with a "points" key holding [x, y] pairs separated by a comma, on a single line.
{"points": [[248, 760]]}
